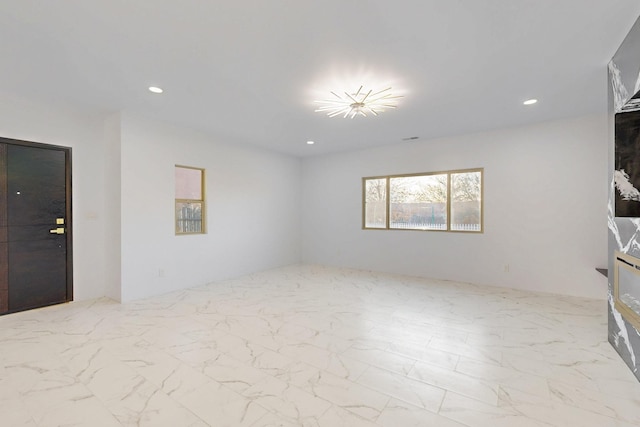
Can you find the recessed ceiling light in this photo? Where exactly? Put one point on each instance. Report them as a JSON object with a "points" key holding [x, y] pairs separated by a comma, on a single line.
{"points": [[310, 142], [530, 101], [155, 89]]}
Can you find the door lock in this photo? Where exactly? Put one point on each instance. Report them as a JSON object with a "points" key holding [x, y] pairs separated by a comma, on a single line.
{"points": [[59, 230]]}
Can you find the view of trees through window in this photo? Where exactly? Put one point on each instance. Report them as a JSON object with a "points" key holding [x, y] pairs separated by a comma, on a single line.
{"points": [[376, 203], [466, 201], [447, 201], [419, 202]]}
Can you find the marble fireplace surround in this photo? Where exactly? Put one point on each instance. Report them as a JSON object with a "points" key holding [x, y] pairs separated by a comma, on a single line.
{"points": [[624, 231]]}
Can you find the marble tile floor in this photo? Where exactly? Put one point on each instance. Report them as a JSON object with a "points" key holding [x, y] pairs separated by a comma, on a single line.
{"points": [[317, 347]]}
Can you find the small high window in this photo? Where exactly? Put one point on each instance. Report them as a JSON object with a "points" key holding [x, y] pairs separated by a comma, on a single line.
{"points": [[190, 207]]}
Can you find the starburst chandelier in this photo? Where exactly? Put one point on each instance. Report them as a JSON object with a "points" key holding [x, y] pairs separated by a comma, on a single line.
{"points": [[359, 103]]}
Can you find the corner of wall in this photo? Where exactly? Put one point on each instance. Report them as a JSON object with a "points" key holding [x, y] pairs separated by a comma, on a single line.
{"points": [[112, 210]]}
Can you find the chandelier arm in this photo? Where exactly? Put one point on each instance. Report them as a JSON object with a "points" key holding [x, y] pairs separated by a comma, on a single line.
{"points": [[336, 113], [388, 96], [381, 91], [366, 96], [331, 102], [351, 97], [328, 110]]}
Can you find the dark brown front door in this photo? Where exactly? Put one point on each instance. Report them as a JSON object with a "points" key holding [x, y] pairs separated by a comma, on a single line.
{"points": [[35, 225]]}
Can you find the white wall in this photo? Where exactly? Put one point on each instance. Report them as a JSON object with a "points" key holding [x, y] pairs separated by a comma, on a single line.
{"points": [[123, 201], [253, 209], [545, 201], [113, 208], [57, 125]]}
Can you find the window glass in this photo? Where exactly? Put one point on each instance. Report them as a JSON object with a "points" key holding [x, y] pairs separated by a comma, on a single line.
{"points": [[466, 201], [188, 183], [419, 202], [189, 206], [375, 200], [189, 217], [445, 201]]}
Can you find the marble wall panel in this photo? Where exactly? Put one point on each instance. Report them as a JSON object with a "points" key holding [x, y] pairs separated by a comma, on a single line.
{"points": [[624, 232]]}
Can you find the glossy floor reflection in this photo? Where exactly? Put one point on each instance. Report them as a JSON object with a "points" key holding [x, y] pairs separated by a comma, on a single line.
{"points": [[312, 346]]}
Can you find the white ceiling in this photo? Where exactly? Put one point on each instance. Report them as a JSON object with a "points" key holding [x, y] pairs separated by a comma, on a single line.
{"points": [[248, 71]]}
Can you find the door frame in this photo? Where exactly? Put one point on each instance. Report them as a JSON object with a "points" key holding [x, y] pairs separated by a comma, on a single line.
{"points": [[68, 205]]}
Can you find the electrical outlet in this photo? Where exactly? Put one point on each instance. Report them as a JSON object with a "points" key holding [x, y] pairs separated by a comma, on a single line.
{"points": [[160, 272], [506, 268]]}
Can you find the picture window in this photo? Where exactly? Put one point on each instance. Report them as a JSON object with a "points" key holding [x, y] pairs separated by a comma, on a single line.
{"points": [[439, 201]]}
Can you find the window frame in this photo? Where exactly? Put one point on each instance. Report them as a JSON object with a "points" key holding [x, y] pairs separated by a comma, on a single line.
{"points": [[448, 173], [201, 201]]}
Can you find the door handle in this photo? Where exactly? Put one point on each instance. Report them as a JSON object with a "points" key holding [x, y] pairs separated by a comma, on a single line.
{"points": [[59, 230]]}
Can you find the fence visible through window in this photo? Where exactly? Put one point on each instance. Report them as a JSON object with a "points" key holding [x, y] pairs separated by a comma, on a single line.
{"points": [[190, 194], [188, 218]]}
